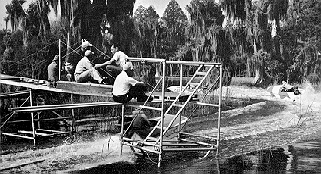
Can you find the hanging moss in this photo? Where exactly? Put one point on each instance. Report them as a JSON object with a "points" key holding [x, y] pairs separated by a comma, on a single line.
{"points": [[235, 8]]}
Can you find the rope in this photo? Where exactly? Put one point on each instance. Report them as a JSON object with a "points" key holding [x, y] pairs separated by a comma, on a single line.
{"points": [[13, 113], [37, 51], [7, 120], [73, 50], [101, 52], [151, 159]]}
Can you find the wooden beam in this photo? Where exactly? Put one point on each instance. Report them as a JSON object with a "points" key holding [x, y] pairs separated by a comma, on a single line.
{"points": [[17, 135], [44, 119], [21, 164], [64, 106], [206, 104], [170, 144], [189, 149], [13, 94], [86, 88], [8, 77], [201, 136], [66, 87], [53, 131]]}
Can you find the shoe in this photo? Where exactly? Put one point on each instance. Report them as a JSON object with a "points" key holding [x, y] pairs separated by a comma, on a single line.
{"points": [[105, 81]]}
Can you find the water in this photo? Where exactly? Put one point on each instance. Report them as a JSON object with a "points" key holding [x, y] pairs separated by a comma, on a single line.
{"points": [[261, 140], [302, 157], [264, 137]]}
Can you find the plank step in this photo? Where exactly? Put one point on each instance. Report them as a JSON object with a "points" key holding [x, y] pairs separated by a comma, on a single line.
{"points": [[159, 127], [149, 107], [178, 105], [206, 104], [189, 149], [201, 136], [152, 138], [201, 73], [193, 84]]}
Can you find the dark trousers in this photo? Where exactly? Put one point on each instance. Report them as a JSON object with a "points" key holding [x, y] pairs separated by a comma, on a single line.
{"points": [[134, 92]]}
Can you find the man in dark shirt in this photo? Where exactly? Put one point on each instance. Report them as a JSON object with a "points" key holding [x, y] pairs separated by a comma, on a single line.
{"points": [[140, 125]]}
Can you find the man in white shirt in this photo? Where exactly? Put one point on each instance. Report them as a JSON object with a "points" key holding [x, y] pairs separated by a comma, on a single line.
{"points": [[126, 87], [86, 71], [119, 57], [115, 65]]}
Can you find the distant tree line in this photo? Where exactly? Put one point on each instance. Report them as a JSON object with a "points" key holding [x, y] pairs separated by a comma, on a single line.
{"points": [[269, 40]]}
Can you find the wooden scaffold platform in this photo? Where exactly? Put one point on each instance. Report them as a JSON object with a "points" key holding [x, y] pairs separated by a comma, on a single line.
{"points": [[167, 133], [34, 117]]}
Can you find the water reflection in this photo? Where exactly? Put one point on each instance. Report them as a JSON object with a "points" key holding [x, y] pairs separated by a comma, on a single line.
{"points": [[301, 158]]}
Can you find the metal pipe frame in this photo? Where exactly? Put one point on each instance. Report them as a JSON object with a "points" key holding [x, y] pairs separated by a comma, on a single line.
{"points": [[192, 63], [134, 59]]}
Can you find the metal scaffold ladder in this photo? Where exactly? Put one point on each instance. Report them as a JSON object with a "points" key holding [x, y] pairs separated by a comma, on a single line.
{"points": [[172, 114], [166, 135]]}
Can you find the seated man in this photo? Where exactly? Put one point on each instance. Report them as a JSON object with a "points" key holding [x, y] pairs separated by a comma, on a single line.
{"points": [[72, 60], [115, 65], [86, 71], [118, 60], [126, 87]]}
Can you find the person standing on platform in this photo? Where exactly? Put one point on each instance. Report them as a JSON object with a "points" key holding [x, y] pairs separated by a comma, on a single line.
{"points": [[53, 72]]}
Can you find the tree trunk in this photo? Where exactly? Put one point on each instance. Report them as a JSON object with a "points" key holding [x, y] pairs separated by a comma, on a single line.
{"points": [[32, 72], [258, 74], [68, 47], [248, 67]]}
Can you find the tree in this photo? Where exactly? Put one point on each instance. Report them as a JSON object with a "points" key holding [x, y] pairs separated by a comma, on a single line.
{"points": [[304, 25], [6, 19], [146, 24], [174, 25], [36, 22], [254, 17], [87, 19], [205, 32], [15, 13]]}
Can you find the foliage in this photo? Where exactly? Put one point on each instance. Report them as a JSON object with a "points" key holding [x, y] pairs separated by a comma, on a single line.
{"points": [[147, 27], [276, 40], [15, 13], [174, 23], [205, 33]]}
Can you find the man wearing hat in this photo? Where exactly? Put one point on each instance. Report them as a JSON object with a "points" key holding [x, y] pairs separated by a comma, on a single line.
{"points": [[71, 61], [85, 70], [126, 87], [85, 45], [53, 72]]}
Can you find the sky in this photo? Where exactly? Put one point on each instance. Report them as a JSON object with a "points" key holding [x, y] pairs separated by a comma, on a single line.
{"points": [[159, 5]]}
